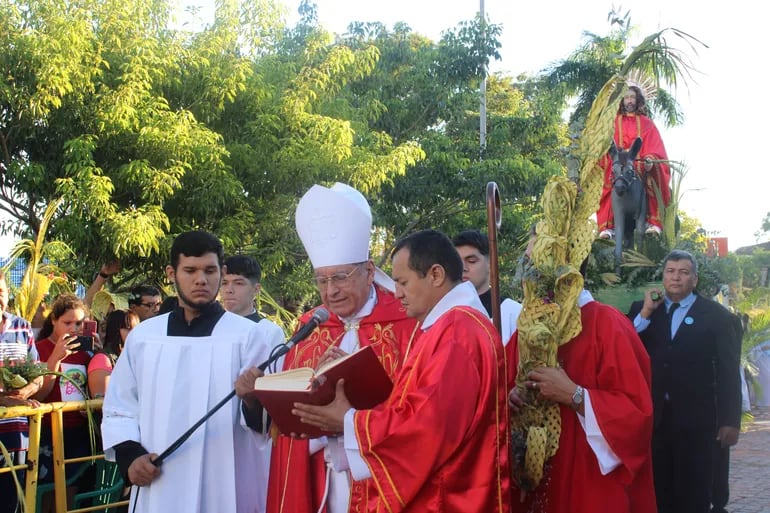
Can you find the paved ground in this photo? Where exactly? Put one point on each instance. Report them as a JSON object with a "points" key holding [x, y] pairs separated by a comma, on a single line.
{"points": [[750, 467]]}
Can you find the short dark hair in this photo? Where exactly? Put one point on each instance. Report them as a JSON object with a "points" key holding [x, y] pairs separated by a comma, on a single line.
{"points": [[472, 238], [679, 254], [430, 247], [244, 265], [196, 244], [137, 291], [168, 305]]}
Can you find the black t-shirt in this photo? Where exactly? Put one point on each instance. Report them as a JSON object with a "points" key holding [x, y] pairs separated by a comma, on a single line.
{"points": [[201, 326]]}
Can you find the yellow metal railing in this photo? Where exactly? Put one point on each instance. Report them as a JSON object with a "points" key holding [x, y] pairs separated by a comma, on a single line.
{"points": [[35, 416]]}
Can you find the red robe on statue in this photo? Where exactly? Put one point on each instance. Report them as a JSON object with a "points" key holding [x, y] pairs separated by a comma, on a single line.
{"points": [[610, 362], [440, 442], [297, 479], [627, 128]]}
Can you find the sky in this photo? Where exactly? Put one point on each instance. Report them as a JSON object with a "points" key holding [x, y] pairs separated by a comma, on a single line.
{"points": [[727, 187]]}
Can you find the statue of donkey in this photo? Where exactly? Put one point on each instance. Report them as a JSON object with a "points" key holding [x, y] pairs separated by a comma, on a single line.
{"points": [[629, 200]]}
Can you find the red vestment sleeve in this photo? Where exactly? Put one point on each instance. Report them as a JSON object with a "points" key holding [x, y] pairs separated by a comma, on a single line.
{"points": [[403, 449], [609, 361], [621, 398], [444, 428], [653, 148]]}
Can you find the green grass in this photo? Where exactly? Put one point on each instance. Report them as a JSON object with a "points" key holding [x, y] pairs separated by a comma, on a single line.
{"points": [[621, 296]]}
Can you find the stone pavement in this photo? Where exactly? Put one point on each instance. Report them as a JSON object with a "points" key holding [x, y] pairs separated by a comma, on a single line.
{"points": [[750, 467]]}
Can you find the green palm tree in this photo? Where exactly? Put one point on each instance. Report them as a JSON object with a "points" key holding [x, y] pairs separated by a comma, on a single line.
{"points": [[41, 272], [582, 75]]}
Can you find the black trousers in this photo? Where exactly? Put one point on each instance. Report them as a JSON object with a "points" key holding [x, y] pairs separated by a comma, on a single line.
{"points": [[720, 487], [9, 501], [682, 467]]}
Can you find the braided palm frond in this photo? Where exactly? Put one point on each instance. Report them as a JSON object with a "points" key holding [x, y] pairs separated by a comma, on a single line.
{"points": [[550, 316]]}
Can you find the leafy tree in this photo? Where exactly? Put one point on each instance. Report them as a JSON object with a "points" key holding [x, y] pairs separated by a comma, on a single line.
{"points": [[429, 91], [146, 131], [84, 117]]}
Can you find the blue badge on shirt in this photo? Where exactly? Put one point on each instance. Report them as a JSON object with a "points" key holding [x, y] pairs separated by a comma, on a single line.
{"points": [[689, 320]]}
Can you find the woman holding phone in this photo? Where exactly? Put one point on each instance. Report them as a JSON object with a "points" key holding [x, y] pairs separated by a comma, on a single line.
{"points": [[60, 347]]}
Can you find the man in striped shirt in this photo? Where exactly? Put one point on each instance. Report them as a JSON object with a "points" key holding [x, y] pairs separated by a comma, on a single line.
{"points": [[16, 343]]}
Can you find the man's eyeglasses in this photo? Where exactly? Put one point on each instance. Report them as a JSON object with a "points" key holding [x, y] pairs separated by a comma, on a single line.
{"points": [[338, 279], [151, 306]]}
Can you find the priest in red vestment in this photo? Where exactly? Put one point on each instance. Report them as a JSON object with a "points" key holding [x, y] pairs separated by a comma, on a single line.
{"points": [[440, 441], [604, 460], [630, 123], [334, 225]]}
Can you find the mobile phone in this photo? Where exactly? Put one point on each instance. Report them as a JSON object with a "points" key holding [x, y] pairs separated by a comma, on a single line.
{"points": [[89, 328], [86, 343]]}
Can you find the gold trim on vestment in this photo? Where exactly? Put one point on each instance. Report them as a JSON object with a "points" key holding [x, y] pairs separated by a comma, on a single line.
{"points": [[383, 500]]}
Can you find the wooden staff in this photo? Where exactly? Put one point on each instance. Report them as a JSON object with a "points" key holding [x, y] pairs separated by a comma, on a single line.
{"points": [[494, 218]]}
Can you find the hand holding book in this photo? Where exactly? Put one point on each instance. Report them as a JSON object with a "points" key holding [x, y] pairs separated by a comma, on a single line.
{"points": [[329, 418], [366, 384]]}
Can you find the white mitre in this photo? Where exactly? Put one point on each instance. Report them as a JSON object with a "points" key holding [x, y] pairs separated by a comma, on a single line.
{"points": [[335, 225]]}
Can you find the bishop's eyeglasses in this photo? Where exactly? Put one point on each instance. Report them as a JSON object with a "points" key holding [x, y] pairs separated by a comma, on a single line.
{"points": [[337, 279]]}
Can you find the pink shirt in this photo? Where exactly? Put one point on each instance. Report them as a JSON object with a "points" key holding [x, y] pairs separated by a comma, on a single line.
{"points": [[100, 361]]}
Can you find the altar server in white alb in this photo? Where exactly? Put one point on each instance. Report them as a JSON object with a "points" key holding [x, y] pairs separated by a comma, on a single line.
{"points": [[173, 370], [473, 247]]}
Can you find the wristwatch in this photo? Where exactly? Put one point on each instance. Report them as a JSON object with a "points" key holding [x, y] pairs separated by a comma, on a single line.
{"points": [[577, 398]]}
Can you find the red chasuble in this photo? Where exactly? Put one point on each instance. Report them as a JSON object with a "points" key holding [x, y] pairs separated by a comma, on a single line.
{"points": [[627, 129], [440, 442], [610, 362], [297, 479]]}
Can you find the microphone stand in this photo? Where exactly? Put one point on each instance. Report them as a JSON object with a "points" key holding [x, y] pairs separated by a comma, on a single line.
{"points": [[187, 434]]}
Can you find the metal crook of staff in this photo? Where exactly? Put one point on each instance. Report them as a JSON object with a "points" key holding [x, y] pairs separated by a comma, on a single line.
{"points": [[494, 219]]}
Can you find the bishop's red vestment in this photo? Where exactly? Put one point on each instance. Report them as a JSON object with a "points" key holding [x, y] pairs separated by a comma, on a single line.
{"points": [[609, 361], [440, 442], [298, 479], [627, 128]]}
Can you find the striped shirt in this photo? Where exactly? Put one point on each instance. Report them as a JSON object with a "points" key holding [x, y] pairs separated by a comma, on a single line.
{"points": [[16, 342]]}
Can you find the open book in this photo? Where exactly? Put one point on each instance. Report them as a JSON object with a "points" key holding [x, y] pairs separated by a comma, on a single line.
{"points": [[366, 385]]}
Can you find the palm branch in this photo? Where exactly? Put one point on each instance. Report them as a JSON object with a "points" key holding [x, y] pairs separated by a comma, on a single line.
{"points": [[41, 273], [634, 259], [282, 317]]}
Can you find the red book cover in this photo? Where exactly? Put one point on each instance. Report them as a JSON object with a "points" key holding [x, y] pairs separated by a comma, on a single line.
{"points": [[366, 385]]}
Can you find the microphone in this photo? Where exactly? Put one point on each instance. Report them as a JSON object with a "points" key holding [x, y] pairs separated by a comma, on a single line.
{"points": [[320, 316]]}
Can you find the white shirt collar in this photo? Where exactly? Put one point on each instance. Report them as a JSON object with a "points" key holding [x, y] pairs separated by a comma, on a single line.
{"points": [[684, 303], [463, 294], [584, 298], [365, 310]]}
